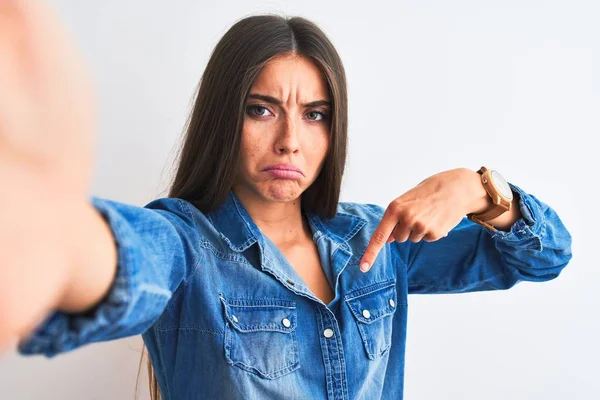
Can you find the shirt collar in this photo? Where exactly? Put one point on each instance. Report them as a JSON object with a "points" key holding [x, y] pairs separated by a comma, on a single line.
{"points": [[240, 232]]}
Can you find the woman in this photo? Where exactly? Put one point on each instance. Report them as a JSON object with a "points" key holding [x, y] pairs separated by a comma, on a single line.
{"points": [[251, 279]]}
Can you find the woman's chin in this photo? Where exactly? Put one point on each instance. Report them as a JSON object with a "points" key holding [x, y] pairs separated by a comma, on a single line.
{"points": [[283, 190]]}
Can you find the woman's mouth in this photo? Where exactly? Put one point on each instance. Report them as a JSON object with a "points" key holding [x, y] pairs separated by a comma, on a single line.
{"points": [[284, 171]]}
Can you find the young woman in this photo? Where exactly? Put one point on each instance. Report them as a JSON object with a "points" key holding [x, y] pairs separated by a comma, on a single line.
{"points": [[251, 279]]}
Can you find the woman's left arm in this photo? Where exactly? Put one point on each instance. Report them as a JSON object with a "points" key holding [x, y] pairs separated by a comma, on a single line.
{"points": [[444, 252]]}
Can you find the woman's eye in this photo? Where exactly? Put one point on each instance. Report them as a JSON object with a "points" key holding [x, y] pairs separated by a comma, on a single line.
{"points": [[258, 111], [315, 116]]}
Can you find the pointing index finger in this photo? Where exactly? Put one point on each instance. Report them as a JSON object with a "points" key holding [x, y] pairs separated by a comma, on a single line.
{"points": [[378, 240]]}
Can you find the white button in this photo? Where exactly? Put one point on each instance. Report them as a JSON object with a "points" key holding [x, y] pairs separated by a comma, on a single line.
{"points": [[286, 322], [392, 303], [234, 318], [366, 314], [328, 333]]}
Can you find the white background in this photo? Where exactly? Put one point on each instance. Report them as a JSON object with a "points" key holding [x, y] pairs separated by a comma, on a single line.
{"points": [[433, 85]]}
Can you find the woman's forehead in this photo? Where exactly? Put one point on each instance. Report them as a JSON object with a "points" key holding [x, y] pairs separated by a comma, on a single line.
{"points": [[291, 78]]}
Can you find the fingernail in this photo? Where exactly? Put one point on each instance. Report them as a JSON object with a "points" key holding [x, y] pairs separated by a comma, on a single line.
{"points": [[364, 267]]}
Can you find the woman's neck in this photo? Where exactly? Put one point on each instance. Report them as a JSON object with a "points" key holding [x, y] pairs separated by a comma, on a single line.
{"points": [[281, 221]]}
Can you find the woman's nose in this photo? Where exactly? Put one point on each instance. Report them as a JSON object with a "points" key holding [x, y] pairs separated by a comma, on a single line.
{"points": [[287, 140]]}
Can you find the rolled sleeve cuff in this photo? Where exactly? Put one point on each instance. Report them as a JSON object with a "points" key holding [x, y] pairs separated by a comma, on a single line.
{"points": [[61, 331], [530, 228]]}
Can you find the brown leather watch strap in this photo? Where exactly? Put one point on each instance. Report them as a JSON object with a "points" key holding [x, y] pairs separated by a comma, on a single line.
{"points": [[492, 213], [483, 223]]}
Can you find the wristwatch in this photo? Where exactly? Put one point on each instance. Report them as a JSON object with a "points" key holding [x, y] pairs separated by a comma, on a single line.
{"points": [[498, 189]]}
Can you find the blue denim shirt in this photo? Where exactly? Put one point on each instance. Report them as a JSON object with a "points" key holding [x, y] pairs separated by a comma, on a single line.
{"points": [[225, 316]]}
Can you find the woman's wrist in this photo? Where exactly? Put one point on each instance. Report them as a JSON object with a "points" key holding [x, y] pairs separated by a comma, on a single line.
{"points": [[480, 201]]}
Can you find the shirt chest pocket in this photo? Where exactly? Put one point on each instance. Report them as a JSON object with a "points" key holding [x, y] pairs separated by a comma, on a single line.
{"points": [[373, 309], [260, 336]]}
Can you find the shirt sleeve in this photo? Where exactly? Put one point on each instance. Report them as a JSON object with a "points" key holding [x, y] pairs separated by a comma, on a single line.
{"points": [[474, 258], [156, 250]]}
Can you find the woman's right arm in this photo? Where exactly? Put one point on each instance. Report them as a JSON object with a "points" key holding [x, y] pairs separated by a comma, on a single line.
{"points": [[73, 270], [56, 252], [110, 275]]}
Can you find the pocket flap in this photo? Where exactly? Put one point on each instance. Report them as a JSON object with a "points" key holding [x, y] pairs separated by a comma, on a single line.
{"points": [[260, 315], [373, 302]]}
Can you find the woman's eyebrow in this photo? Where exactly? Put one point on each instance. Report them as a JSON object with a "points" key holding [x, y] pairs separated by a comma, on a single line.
{"points": [[273, 100]]}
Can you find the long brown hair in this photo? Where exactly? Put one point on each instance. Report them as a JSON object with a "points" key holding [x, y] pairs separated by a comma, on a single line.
{"points": [[211, 145]]}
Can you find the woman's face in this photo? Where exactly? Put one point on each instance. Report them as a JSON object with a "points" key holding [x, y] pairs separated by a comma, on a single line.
{"points": [[286, 130]]}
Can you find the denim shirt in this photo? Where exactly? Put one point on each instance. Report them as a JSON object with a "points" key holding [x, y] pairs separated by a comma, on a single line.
{"points": [[225, 316]]}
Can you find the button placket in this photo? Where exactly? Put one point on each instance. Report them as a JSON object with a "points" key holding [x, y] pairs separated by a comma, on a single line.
{"points": [[331, 346]]}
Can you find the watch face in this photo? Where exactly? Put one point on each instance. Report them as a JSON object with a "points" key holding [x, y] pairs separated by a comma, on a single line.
{"points": [[502, 185]]}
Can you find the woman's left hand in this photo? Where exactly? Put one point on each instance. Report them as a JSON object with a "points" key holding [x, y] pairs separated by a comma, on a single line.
{"points": [[428, 211]]}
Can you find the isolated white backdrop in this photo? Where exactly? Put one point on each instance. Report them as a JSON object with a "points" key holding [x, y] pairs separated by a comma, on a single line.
{"points": [[433, 85]]}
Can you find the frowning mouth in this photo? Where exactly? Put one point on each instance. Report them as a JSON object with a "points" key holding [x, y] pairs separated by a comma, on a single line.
{"points": [[285, 171]]}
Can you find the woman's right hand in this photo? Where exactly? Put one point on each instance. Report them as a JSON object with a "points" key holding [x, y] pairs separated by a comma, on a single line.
{"points": [[46, 107], [47, 122]]}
